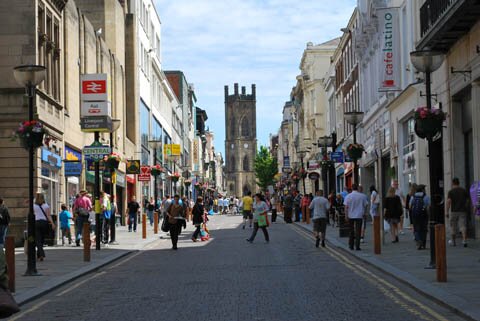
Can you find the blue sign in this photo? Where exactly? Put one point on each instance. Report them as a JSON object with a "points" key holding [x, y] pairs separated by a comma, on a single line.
{"points": [[337, 157], [73, 168], [53, 159]]}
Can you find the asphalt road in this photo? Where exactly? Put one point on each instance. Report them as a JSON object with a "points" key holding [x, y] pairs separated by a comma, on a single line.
{"points": [[229, 279]]}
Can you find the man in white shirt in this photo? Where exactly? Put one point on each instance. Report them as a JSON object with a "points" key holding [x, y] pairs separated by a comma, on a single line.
{"points": [[355, 206], [320, 206]]}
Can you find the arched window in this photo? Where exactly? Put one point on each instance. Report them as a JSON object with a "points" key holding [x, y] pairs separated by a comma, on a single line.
{"points": [[232, 127], [232, 163], [245, 127], [246, 165]]}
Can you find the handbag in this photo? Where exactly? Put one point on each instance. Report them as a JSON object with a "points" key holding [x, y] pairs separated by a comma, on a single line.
{"points": [[165, 225], [262, 221], [8, 306]]}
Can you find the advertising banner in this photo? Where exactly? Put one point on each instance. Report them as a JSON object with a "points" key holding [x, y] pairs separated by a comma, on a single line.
{"points": [[390, 49]]}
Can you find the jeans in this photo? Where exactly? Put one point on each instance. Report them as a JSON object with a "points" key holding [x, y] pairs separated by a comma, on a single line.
{"points": [[355, 232], [79, 227], [420, 228], [150, 217], [106, 228], [66, 234], [174, 232], [41, 230], [274, 214], [287, 215], [298, 213], [254, 233], [3, 233], [132, 219], [197, 231]]}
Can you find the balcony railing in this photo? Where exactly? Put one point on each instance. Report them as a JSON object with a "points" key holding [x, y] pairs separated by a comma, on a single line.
{"points": [[432, 11]]}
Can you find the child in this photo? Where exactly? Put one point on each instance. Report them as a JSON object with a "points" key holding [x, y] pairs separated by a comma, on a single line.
{"points": [[65, 216]]}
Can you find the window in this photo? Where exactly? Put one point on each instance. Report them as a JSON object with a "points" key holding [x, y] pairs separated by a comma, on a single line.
{"points": [[245, 127], [232, 163], [246, 164], [232, 127]]}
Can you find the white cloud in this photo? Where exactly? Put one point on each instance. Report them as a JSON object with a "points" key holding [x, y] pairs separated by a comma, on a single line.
{"points": [[217, 43]]}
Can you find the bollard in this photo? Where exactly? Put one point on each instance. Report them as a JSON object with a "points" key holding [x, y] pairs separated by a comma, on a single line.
{"points": [[307, 214], [155, 222], [144, 226], [440, 253], [86, 242], [10, 258], [376, 235]]}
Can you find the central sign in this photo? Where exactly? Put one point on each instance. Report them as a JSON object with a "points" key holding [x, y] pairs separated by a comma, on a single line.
{"points": [[96, 151]]}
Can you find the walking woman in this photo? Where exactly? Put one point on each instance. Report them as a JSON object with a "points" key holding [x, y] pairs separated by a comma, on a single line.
{"points": [[392, 207], [374, 202], [260, 219], [42, 219], [176, 219], [197, 212]]}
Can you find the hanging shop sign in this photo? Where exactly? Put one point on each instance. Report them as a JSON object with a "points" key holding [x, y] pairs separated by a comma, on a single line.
{"points": [[96, 124], [95, 87], [390, 49], [144, 175], [96, 151], [133, 166], [314, 176], [337, 157]]}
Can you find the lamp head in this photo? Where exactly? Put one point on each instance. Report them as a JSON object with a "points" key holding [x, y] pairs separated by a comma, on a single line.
{"points": [[29, 75], [427, 60], [354, 117]]}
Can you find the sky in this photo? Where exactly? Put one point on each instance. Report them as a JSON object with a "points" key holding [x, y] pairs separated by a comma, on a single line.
{"points": [[222, 42]]}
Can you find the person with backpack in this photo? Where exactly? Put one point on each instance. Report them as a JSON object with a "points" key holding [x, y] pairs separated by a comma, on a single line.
{"points": [[4, 221], [419, 205]]}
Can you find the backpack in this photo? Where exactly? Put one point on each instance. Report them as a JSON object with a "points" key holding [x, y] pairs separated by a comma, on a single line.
{"points": [[4, 215], [418, 206]]}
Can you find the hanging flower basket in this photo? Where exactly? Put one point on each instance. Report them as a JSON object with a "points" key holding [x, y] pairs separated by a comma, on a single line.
{"points": [[428, 122], [112, 161], [355, 151], [175, 177], [156, 170], [30, 133]]}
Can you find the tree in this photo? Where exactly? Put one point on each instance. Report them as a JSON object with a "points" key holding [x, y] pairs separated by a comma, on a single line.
{"points": [[265, 167]]}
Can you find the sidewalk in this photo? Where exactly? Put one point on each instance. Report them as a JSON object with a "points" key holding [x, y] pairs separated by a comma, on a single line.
{"points": [[65, 263], [403, 261]]}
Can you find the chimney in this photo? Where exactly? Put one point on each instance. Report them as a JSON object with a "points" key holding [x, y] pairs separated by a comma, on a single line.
{"points": [[226, 93], [243, 90], [235, 86]]}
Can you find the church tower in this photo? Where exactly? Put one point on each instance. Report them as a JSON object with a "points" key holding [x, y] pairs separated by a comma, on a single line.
{"points": [[240, 141]]}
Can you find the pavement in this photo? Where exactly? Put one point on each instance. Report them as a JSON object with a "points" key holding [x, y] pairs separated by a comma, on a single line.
{"points": [[407, 264], [63, 264]]}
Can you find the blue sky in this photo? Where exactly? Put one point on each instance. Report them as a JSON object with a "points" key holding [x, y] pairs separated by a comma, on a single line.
{"points": [[222, 42]]}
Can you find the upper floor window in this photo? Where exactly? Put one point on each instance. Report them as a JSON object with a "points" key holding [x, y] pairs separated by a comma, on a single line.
{"points": [[245, 127], [246, 164]]}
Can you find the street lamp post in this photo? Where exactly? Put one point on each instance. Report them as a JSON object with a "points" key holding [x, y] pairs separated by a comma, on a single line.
{"points": [[427, 61], [325, 141], [30, 76], [155, 144], [113, 219], [354, 118], [302, 154]]}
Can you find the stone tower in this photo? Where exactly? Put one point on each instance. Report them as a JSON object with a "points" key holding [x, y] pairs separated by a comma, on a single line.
{"points": [[240, 141]]}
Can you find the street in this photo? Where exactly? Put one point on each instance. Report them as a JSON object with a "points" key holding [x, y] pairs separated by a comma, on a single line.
{"points": [[227, 278]]}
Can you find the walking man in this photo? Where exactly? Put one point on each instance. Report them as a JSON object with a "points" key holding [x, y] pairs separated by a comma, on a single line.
{"points": [[288, 207], [457, 205], [247, 209], [355, 207], [133, 209], [419, 205], [320, 208]]}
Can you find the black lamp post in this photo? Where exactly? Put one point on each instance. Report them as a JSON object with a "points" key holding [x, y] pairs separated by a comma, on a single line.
{"points": [[302, 154], [428, 61], [30, 76], [354, 118], [113, 219], [155, 144], [325, 141]]}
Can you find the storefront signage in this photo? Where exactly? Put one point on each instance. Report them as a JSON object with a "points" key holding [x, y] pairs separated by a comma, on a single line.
{"points": [[96, 124], [95, 87], [133, 166], [172, 150], [337, 157], [313, 164], [72, 168], [314, 176], [91, 165], [144, 175], [390, 49], [120, 178], [72, 155], [96, 151], [96, 108], [52, 159]]}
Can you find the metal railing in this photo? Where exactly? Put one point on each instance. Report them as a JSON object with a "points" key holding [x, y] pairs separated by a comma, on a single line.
{"points": [[432, 11]]}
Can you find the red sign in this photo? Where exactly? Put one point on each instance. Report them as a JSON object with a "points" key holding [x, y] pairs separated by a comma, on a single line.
{"points": [[94, 87], [144, 175]]}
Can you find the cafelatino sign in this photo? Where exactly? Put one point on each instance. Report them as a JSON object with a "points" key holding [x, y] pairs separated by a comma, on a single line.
{"points": [[390, 49]]}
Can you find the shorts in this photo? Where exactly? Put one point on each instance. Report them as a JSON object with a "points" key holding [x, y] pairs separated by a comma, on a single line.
{"points": [[247, 214], [458, 219], [320, 225], [393, 220]]}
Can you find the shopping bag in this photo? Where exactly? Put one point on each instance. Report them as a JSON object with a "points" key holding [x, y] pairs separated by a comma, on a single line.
{"points": [[262, 221]]}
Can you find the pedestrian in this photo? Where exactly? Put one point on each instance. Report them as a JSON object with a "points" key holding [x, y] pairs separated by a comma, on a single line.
{"points": [[42, 221], [392, 211], [65, 216], [226, 205], [458, 202], [355, 206], [288, 207], [297, 199], [176, 219], [304, 203], [419, 205], [247, 209], [374, 202], [106, 217], [81, 209], [399, 193], [133, 209], [274, 203], [260, 218], [411, 192], [198, 218], [4, 221], [320, 207], [150, 210]]}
